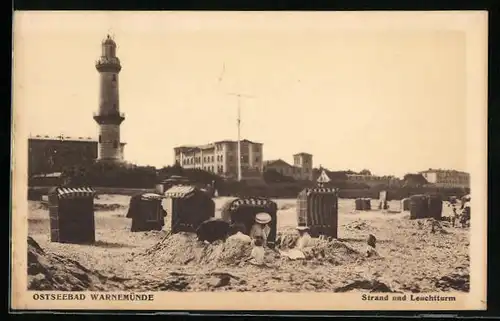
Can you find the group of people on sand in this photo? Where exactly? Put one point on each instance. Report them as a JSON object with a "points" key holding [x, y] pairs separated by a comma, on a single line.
{"points": [[259, 233]]}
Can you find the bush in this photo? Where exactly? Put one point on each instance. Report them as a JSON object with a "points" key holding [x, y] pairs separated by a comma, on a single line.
{"points": [[196, 176], [276, 190], [273, 176], [111, 175], [132, 176]]}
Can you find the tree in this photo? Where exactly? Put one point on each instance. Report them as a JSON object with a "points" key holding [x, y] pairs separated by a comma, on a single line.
{"points": [[273, 176], [337, 176], [414, 180], [111, 175], [365, 172]]}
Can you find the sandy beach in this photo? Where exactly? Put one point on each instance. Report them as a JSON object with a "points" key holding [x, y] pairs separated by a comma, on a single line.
{"points": [[411, 257]]}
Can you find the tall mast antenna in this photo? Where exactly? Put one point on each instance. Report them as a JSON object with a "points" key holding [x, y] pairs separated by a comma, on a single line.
{"points": [[238, 121]]}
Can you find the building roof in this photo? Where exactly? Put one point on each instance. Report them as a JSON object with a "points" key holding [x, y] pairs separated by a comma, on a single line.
{"points": [[66, 138], [302, 154], [235, 141], [276, 162], [212, 145], [61, 137]]}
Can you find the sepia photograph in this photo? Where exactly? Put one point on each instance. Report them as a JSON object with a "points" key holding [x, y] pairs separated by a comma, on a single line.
{"points": [[278, 160]]}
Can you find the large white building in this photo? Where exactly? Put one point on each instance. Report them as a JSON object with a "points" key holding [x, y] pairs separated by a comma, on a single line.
{"points": [[221, 158], [447, 178]]}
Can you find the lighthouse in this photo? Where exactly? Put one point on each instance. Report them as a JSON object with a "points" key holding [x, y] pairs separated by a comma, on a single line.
{"points": [[109, 118]]}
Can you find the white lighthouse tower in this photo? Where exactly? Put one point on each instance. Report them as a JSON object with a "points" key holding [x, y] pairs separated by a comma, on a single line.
{"points": [[109, 117]]}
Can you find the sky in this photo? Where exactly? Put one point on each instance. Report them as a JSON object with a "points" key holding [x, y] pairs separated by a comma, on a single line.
{"points": [[391, 100]]}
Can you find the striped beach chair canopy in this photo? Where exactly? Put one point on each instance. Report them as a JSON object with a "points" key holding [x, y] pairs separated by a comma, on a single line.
{"points": [[319, 190], [252, 202], [74, 192], [180, 191], [151, 197]]}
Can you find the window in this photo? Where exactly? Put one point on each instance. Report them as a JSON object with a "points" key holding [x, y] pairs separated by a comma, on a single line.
{"points": [[257, 159], [100, 139], [212, 158], [115, 144], [114, 77]]}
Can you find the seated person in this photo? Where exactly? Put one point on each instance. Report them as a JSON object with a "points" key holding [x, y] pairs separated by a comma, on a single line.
{"points": [[260, 230], [371, 244], [304, 238], [213, 229], [465, 216], [258, 234]]}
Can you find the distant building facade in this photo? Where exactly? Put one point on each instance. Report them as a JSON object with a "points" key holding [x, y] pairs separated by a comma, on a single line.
{"points": [[328, 177], [48, 154], [374, 180], [302, 168], [304, 161], [447, 178], [221, 158]]}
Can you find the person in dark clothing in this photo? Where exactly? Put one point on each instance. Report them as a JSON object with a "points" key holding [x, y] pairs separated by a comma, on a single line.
{"points": [[465, 215], [236, 228], [371, 244], [212, 230]]}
